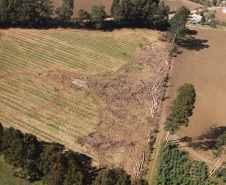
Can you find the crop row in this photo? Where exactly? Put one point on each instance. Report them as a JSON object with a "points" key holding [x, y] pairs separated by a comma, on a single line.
{"points": [[74, 50]]}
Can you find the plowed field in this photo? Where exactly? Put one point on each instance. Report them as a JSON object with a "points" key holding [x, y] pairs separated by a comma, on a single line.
{"points": [[205, 68]]}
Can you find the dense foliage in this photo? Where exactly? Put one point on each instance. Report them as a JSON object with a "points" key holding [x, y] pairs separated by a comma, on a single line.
{"points": [[141, 13], [181, 109], [177, 24], [24, 151], [112, 177], [98, 15], [48, 163], [140, 181], [33, 13], [40, 13], [176, 168]]}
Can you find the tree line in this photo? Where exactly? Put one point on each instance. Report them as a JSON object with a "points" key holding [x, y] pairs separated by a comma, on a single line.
{"points": [[34, 13], [124, 13], [36, 161]]}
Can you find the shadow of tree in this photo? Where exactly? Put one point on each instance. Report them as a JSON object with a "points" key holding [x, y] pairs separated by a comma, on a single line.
{"points": [[207, 140], [192, 43], [191, 32]]}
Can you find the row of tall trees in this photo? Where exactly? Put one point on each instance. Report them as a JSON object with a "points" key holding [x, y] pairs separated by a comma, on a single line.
{"points": [[132, 13], [33, 12], [147, 13], [135, 13], [35, 161]]}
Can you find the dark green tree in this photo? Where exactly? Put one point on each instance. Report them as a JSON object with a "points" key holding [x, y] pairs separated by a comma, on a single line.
{"points": [[30, 14], [14, 153], [48, 159], [98, 15], [31, 156], [114, 7], [177, 24], [181, 109], [1, 134], [122, 178], [203, 20], [161, 16], [112, 177], [213, 23], [9, 135], [143, 11], [82, 16], [22, 152], [46, 8], [3, 10], [65, 12], [105, 177], [220, 145], [140, 181], [73, 175], [11, 11], [59, 169]]}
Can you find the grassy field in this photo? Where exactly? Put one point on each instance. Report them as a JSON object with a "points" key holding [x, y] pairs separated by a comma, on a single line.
{"points": [[86, 50], [36, 98], [204, 67]]}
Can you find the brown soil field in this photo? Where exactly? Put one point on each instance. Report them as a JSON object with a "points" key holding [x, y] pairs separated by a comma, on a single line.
{"points": [[221, 16], [104, 115], [204, 66], [175, 4], [86, 5]]}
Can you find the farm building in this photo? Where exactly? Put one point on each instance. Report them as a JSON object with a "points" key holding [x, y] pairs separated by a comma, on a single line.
{"points": [[195, 19]]}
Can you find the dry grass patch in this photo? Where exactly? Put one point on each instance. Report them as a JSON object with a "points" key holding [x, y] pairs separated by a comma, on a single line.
{"points": [[176, 4], [220, 16]]}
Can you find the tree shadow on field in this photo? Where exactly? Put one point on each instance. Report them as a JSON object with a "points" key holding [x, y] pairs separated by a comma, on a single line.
{"points": [[191, 43], [207, 140], [191, 32]]}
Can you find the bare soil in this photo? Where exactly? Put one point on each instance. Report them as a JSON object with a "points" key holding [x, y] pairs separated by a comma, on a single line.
{"points": [[220, 16], [204, 66], [124, 104], [176, 4], [87, 4]]}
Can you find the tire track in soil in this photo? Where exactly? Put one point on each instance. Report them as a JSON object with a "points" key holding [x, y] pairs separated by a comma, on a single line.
{"points": [[40, 108]]}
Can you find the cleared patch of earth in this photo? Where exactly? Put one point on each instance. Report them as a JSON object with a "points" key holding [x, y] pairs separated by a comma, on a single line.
{"points": [[204, 66]]}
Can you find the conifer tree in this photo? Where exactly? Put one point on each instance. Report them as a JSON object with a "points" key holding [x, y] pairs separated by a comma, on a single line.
{"points": [[181, 109]]}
